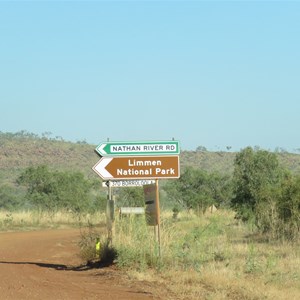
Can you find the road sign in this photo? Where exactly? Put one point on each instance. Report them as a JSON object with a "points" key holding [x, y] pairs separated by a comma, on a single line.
{"points": [[140, 167], [127, 183], [138, 148]]}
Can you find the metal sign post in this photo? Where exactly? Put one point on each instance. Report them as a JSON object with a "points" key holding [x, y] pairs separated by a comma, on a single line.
{"points": [[158, 215], [109, 214], [141, 163]]}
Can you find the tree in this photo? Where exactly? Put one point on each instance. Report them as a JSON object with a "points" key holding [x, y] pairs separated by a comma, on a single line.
{"points": [[201, 149], [8, 199], [197, 189], [131, 196], [256, 174], [289, 206], [266, 193], [40, 187], [54, 190], [72, 191]]}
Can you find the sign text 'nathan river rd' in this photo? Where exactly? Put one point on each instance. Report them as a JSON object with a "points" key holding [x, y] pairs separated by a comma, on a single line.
{"points": [[141, 167], [138, 148]]}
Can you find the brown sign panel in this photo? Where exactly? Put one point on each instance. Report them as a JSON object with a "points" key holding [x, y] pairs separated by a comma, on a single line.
{"points": [[140, 167]]}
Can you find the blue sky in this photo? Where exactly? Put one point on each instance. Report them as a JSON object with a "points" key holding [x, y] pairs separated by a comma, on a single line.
{"points": [[210, 73]]}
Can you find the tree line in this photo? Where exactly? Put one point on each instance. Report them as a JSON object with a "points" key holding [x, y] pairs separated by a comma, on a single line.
{"points": [[260, 191], [50, 190]]}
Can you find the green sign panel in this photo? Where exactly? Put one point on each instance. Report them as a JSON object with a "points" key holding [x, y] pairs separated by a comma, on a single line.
{"points": [[138, 148]]}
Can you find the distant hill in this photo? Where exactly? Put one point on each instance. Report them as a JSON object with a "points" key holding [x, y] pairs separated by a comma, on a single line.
{"points": [[21, 150]]}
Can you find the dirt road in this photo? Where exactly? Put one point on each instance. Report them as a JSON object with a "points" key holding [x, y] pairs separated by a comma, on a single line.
{"points": [[45, 265]]}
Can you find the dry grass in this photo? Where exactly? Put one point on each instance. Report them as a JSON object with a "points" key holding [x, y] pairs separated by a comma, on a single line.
{"points": [[206, 257], [28, 220], [211, 257]]}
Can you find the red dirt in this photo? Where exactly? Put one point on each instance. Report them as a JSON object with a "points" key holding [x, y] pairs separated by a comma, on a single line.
{"points": [[45, 265]]}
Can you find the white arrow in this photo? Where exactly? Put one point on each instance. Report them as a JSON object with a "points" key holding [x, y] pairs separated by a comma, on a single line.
{"points": [[101, 149], [100, 166]]}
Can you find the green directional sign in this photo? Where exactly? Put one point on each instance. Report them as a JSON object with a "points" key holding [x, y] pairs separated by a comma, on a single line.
{"points": [[138, 148]]}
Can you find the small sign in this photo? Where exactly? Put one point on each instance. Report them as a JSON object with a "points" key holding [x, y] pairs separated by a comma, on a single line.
{"points": [[131, 210], [127, 183], [138, 148]]}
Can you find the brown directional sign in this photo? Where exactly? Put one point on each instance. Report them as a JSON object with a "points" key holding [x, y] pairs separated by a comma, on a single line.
{"points": [[140, 167]]}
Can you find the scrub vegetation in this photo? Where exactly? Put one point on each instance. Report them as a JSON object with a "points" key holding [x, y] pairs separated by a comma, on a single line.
{"points": [[209, 256], [247, 249]]}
